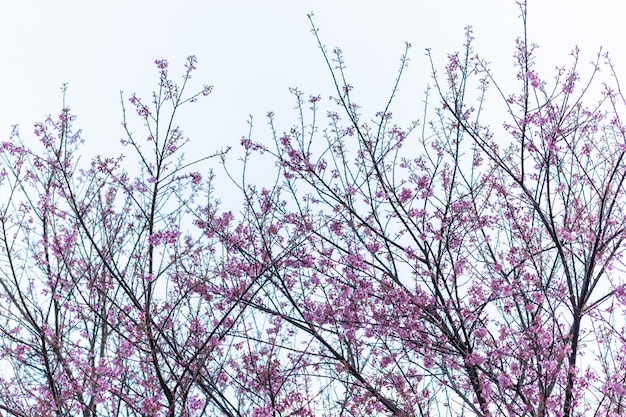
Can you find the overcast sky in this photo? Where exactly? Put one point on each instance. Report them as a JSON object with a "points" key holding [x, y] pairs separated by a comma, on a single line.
{"points": [[252, 51]]}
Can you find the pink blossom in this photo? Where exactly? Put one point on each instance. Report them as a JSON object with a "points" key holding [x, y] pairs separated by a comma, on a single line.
{"points": [[481, 332], [405, 195], [533, 78]]}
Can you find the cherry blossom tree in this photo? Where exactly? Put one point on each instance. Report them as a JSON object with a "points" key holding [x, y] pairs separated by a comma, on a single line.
{"points": [[109, 305], [449, 267]]}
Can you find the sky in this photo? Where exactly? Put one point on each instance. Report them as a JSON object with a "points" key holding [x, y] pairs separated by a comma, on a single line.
{"points": [[253, 51]]}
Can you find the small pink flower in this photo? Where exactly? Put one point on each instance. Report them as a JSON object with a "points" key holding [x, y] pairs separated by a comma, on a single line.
{"points": [[405, 195], [161, 63], [504, 381], [196, 178], [532, 76], [336, 227], [423, 182]]}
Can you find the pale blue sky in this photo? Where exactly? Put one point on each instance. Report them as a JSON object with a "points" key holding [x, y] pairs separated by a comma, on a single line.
{"points": [[252, 51]]}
